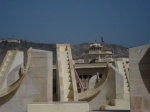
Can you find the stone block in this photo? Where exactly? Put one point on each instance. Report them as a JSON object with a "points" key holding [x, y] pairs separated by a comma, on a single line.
{"points": [[139, 59], [136, 103], [59, 107]]}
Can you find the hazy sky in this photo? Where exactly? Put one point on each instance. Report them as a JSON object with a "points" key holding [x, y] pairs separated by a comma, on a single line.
{"points": [[124, 22]]}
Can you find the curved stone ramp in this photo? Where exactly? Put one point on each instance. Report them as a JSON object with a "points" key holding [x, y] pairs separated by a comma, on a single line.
{"points": [[92, 81], [12, 88], [83, 96], [6, 65], [67, 88], [122, 101]]}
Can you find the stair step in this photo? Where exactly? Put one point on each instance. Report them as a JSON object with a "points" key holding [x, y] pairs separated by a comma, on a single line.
{"points": [[67, 84], [64, 55], [120, 102], [126, 95], [65, 62], [4, 68], [68, 87], [64, 52], [6, 63], [66, 70], [115, 107], [66, 74], [65, 65], [11, 53], [8, 59], [68, 93], [67, 79], [65, 59], [71, 87], [68, 99]]}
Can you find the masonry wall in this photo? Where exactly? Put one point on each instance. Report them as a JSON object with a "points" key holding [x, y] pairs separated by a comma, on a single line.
{"points": [[107, 93], [36, 87], [139, 62]]}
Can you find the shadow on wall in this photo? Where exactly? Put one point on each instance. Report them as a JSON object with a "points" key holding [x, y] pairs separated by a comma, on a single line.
{"points": [[7, 97], [144, 67]]}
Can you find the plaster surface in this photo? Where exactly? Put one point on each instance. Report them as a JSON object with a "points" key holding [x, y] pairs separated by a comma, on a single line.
{"points": [[140, 78], [106, 94], [36, 86], [59, 107]]}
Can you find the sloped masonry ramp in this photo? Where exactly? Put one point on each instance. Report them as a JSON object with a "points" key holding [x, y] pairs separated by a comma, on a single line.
{"points": [[67, 88], [83, 96]]}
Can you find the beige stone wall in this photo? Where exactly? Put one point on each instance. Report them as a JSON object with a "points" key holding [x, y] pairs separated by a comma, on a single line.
{"points": [[139, 62], [59, 107], [107, 93], [36, 87]]}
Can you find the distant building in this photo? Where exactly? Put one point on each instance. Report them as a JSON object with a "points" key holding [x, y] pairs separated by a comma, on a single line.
{"points": [[96, 53], [10, 40]]}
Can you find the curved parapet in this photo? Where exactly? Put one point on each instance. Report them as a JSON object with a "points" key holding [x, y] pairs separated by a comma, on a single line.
{"points": [[92, 81], [121, 101], [92, 92], [6, 65], [10, 89]]}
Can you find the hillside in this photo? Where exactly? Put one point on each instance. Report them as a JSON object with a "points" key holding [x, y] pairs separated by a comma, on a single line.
{"points": [[118, 50], [77, 50], [24, 46]]}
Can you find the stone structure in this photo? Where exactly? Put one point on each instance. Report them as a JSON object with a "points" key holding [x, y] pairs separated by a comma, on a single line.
{"points": [[59, 107], [103, 85], [10, 40], [12, 60], [96, 54], [121, 100], [36, 84], [67, 88], [140, 78]]}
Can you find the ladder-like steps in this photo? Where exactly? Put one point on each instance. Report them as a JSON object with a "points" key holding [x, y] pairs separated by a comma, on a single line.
{"points": [[121, 68], [68, 89], [7, 62]]}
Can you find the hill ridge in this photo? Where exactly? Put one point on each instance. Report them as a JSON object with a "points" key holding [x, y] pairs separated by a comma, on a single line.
{"points": [[77, 49]]}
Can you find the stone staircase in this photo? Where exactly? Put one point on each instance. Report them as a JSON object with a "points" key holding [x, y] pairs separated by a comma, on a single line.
{"points": [[124, 103], [6, 64], [68, 87], [67, 74], [122, 69]]}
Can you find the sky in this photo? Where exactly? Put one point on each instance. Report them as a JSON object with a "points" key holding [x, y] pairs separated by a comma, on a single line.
{"points": [[123, 22]]}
